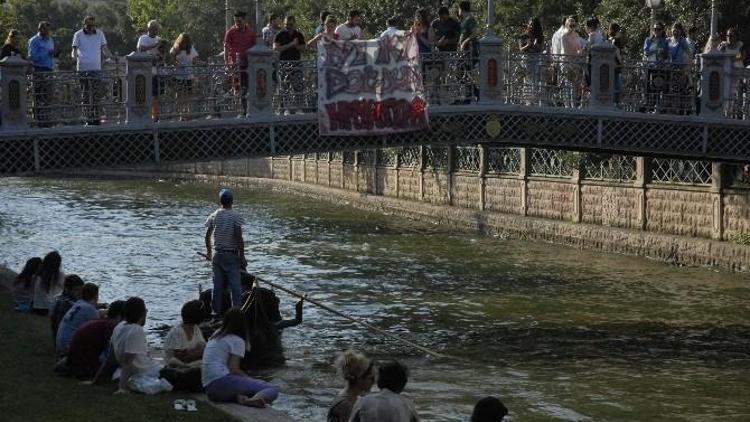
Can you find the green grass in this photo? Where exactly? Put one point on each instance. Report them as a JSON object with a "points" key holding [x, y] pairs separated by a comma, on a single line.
{"points": [[29, 391]]}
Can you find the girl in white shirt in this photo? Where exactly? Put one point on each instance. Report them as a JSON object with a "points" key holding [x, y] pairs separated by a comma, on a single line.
{"points": [[183, 347], [222, 377]]}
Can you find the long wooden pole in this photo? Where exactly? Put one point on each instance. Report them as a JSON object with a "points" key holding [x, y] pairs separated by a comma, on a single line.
{"points": [[304, 296]]}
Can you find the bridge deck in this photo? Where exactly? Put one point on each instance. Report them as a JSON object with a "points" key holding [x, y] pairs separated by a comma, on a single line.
{"points": [[692, 137]]}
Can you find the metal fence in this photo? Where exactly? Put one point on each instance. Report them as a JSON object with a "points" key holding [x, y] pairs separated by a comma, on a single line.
{"points": [[296, 87], [203, 91], [466, 159], [74, 98], [546, 80], [683, 172], [551, 163], [503, 160], [450, 77], [666, 88], [737, 106], [618, 168]]}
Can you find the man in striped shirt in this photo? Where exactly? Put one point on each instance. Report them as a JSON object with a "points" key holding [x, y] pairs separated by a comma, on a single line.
{"points": [[228, 253]]}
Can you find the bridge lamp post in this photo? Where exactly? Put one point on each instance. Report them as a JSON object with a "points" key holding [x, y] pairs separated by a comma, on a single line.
{"points": [[490, 18], [653, 5]]}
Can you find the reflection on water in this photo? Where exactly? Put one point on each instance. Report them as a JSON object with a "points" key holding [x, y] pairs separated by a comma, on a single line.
{"points": [[558, 333]]}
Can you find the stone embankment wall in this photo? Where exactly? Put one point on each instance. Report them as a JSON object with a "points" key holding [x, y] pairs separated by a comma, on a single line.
{"points": [[672, 210]]}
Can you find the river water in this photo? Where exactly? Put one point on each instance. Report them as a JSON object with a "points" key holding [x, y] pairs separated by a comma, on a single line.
{"points": [[557, 333]]}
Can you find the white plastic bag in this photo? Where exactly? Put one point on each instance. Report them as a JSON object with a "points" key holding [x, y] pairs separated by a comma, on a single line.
{"points": [[148, 384]]}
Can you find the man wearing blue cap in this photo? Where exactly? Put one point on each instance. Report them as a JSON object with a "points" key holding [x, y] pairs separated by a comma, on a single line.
{"points": [[225, 225]]}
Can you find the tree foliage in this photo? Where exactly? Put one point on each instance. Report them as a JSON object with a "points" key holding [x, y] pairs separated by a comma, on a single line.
{"points": [[66, 17]]}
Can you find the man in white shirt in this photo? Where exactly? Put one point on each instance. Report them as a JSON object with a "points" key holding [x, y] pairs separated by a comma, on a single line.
{"points": [[392, 28], [149, 43], [557, 40], [352, 28], [129, 346], [88, 46]]}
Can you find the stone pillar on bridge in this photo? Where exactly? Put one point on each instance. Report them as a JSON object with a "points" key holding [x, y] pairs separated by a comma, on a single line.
{"points": [[139, 87], [716, 83], [260, 64], [491, 73], [603, 76], [13, 86]]}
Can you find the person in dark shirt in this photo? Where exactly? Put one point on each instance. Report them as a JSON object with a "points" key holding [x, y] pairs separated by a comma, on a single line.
{"points": [[447, 31], [72, 290], [10, 47], [264, 325], [91, 340], [289, 43]]}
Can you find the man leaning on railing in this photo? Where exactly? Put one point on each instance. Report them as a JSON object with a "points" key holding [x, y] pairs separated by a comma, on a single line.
{"points": [[42, 57]]}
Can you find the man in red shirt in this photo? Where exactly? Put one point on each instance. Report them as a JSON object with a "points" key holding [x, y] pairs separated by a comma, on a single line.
{"points": [[238, 39]]}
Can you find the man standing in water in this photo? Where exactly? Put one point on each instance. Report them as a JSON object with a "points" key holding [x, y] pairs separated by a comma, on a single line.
{"points": [[225, 225]]}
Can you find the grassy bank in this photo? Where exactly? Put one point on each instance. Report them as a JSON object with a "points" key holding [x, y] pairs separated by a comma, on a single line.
{"points": [[29, 391]]}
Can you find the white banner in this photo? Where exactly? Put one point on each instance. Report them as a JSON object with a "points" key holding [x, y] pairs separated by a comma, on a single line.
{"points": [[370, 87]]}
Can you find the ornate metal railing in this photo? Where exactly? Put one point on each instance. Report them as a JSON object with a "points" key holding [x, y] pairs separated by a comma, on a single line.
{"points": [[450, 77], [684, 172], [387, 157], [409, 157], [546, 80], [737, 106], [503, 160], [70, 98], [296, 87], [203, 91], [466, 159], [436, 157], [551, 163], [657, 88], [619, 168]]}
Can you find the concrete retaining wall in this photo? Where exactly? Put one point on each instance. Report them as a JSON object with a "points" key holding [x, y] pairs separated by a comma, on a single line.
{"points": [[682, 224]]}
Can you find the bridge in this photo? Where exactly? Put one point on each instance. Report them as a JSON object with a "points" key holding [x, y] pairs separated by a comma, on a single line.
{"points": [[60, 120]]}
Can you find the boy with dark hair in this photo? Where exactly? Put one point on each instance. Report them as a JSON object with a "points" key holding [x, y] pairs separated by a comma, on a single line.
{"points": [[387, 404], [70, 294], [489, 409], [352, 28], [129, 347], [84, 310]]}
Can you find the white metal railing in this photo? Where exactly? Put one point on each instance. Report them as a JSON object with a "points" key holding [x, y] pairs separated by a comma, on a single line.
{"points": [[66, 98], [664, 88], [200, 91], [737, 106], [547, 80], [69, 98]]}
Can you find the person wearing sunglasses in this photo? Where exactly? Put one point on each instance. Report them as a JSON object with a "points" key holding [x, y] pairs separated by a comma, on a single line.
{"points": [[733, 45]]}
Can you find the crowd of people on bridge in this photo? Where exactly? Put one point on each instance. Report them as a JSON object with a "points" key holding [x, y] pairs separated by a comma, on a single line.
{"points": [[562, 61], [223, 338]]}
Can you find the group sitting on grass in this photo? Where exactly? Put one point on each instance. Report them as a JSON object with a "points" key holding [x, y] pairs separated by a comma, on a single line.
{"points": [[97, 343]]}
